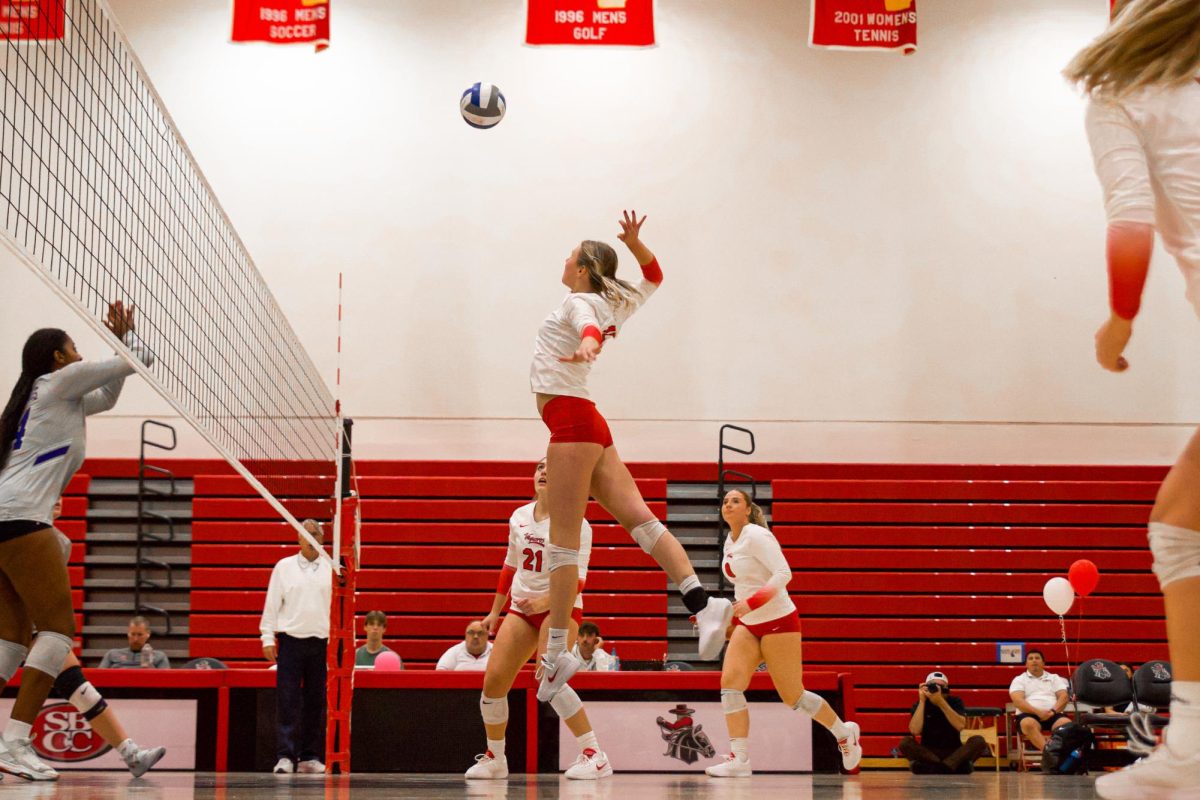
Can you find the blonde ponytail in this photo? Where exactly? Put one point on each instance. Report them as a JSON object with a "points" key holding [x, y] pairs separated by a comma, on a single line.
{"points": [[1150, 43]]}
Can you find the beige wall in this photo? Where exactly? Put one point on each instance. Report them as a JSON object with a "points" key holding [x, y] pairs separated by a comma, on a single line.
{"points": [[857, 247]]}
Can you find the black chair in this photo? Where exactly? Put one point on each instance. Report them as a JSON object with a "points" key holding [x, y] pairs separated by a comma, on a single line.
{"points": [[205, 663], [678, 666], [1100, 682], [1151, 687]]}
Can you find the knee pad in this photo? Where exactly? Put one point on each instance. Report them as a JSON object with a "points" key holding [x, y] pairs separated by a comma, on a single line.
{"points": [[493, 709], [1176, 553], [557, 557], [73, 687], [809, 703], [11, 656], [48, 653], [647, 534], [733, 701], [566, 703]]}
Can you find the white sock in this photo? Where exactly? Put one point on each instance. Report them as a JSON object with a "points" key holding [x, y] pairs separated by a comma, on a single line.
{"points": [[740, 747], [689, 583], [839, 730], [1183, 734], [588, 742], [496, 748], [556, 642], [17, 730], [127, 748]]}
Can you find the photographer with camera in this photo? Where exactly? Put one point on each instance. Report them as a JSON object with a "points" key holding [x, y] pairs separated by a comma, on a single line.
{"points": [[938, 718]]}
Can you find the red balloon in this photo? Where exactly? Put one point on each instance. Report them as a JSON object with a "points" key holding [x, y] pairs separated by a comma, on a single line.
{"points": [[1083, 576]]}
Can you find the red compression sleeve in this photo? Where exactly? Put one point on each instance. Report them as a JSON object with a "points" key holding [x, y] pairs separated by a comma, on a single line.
{"points": [[761, 597], [652, 272], [594, 332], [1130, 245], [506, 579]]}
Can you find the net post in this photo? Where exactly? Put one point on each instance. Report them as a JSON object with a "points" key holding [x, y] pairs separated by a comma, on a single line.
{"points": [[340, 660]]}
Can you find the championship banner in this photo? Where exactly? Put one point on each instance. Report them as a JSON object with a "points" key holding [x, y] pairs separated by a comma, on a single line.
{"points": [[612, 22], [32, 20], [282, 22], [667, 736], [863, 25]]}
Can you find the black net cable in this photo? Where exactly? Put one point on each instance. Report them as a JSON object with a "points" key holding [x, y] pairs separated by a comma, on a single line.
{"points": [[99, 190]]}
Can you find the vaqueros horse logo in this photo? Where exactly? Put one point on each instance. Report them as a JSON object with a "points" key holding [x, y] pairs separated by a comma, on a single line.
{"points": [[686, 741], [1100, 672], [1160, 672], [60, 733]]}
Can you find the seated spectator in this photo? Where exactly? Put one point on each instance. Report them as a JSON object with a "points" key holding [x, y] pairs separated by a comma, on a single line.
{"points": [[139, 653], [1040, 698], [471, 654], [938, 718], [589, 649], [375, 626]]}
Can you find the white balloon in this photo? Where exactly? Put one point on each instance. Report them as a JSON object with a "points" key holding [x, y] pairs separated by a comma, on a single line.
{"points": [[1059, 595]]}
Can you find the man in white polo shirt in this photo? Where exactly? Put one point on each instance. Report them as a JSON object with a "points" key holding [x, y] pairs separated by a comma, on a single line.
{"points": [[471, 653], [1040, 698], [295, 635]]}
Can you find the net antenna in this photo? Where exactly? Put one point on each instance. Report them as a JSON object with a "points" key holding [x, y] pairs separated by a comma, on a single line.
{"points": [[101, 197]]}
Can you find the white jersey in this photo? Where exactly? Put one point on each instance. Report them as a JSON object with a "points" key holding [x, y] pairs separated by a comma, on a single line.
{"points": [[562, 331], [52, 435], [1041, 693], [1147, 154], [527, 542], [753, 562]]}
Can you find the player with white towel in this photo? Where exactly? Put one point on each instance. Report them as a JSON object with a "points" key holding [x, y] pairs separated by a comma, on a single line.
{"points": [[42, 442], [523, 633], [766, 628]]}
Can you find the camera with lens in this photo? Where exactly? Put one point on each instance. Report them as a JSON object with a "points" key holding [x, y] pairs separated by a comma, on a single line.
{"points": [[933, 688]]}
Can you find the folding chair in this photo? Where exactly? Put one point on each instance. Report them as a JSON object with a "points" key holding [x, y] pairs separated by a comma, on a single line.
{"points": [[990, 733]]}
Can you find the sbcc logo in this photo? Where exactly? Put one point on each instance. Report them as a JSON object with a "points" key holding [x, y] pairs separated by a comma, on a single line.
{"points": [[60, 733]]}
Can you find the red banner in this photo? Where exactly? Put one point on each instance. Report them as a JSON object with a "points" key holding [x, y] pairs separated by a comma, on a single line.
{"points": [[864, 25], [282, 22], [32, 20], [612, 22]]}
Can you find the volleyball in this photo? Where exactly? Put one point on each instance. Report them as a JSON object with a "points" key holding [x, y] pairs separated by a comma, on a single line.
{"points": [[482, 105]]}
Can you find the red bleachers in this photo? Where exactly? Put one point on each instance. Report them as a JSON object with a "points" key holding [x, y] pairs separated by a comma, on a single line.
{"points": [[899, 571], [432, 549]]}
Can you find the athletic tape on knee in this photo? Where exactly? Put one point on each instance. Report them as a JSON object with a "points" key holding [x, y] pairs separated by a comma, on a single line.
{"points": [[493, 709], [11, 656], [1176, 553], [48, 653], [733, 701], [557, 557], [566, 703], [809, 703], [73, 687], [647, 534]]}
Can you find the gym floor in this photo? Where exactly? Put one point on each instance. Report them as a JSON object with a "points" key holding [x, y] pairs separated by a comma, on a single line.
{"points": [[253, 786]]}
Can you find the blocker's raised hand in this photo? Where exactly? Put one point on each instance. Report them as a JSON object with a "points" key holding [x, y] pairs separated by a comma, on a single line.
{"points": [[631, 227]]}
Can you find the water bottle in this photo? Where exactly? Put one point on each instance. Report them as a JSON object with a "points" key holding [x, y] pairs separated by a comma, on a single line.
{"points": [[616, 663], [147, 656]]}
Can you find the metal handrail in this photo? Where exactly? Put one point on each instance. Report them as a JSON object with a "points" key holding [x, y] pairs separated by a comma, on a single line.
{"points": [[143, 514], [722, 473]]}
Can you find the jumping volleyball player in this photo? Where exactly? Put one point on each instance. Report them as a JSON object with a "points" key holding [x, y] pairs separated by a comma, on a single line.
{"points": [[524, 632], [581, 456], [766, 627], [1143, 122], [42, 443]]}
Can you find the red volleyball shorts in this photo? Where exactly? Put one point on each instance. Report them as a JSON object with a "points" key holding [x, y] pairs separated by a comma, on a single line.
{"points": [[788, 623], [536, 620], [573, 419]]}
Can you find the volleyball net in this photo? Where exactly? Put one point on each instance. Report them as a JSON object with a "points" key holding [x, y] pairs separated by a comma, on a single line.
{"points": [[102, 199]]}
